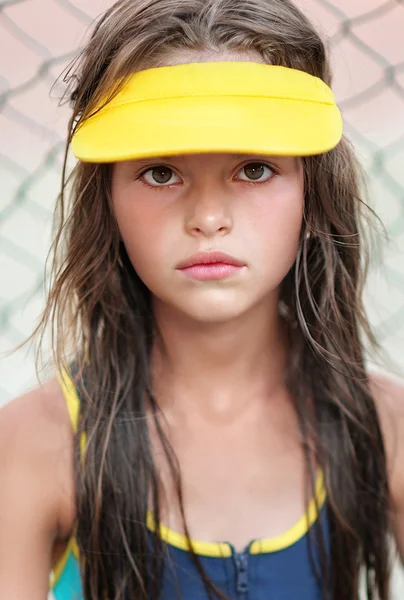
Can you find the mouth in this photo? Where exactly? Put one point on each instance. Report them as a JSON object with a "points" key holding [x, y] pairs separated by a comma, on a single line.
{"points": [[210, 265]]}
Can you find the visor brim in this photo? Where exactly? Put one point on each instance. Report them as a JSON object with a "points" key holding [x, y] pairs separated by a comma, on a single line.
{"points": [[174, 126]]}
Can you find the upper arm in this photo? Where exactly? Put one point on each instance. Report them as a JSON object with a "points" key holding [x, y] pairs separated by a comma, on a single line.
{"points": [[389, 397], [32, 449]]}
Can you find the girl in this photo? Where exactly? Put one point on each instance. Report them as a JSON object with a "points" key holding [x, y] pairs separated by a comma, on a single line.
{"points": [[213, 431]]}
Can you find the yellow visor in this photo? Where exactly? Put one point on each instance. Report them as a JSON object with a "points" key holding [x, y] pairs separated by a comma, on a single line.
{"points": [[235, 107]]}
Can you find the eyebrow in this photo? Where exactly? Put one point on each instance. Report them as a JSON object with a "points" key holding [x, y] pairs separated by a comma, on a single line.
{"points": [[173, 157]]}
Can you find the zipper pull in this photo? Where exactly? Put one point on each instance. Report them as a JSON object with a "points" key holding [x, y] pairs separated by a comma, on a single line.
{"points": [[242, 573]]}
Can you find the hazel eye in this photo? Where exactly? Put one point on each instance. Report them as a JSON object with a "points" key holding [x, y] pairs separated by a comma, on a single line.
{"points": [[159, 176], [256, 172]]}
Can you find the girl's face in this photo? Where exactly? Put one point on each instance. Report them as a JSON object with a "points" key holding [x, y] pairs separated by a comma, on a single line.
{"points": [[248, 207]]}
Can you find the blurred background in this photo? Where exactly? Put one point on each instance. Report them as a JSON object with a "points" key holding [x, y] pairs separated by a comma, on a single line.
{"points": [[38, 38]]}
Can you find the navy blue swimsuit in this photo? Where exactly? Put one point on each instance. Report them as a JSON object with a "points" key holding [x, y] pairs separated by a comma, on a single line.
{"points": [[274, 569]]}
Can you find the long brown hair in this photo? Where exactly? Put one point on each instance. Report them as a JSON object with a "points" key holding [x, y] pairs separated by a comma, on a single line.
{"points": [[101, 316]]}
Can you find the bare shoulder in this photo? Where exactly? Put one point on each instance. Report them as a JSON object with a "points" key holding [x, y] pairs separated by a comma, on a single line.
{"points": [[389, 397], [36, 489], [36, 445]]}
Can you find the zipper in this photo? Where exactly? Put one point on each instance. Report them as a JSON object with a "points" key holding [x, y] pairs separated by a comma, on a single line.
{"points": [[241, 562]]}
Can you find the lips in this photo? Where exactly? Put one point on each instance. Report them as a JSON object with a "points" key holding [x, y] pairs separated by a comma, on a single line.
{"points": [[209, 258]]}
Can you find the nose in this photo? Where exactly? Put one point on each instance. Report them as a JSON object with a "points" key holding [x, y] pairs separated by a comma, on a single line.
{"points": [[208, 213]]}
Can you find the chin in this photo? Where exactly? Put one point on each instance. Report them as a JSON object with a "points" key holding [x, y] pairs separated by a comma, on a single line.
{"points": [[214, 317], [211, 311], [213, 306]]}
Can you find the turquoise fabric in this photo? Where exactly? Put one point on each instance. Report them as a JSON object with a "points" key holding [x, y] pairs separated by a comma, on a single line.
{"points": [[68, 586]]}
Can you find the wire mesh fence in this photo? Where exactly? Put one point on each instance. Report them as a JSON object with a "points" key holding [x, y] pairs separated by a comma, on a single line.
{"points": [[37, 40]]}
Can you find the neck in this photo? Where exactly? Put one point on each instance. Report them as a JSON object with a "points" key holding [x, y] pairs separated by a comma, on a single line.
{"points": [[218, 367]]}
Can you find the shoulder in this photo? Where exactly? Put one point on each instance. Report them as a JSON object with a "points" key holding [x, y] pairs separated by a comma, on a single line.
{"points": [[36, 452], [389, 398]]}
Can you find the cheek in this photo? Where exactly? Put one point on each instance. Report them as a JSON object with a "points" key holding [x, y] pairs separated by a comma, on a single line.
{"points": [[278, 219], [144, 231]]}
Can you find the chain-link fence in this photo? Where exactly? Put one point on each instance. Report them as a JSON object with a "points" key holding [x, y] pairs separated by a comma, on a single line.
{"points": [[39, 37]]}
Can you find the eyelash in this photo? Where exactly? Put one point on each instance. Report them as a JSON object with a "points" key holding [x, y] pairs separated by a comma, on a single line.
{"points": [[163, 187], [153, 187]]}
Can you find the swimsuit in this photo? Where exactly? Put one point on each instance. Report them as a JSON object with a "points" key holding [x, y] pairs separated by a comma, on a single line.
{"points": [[270, 569]]}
